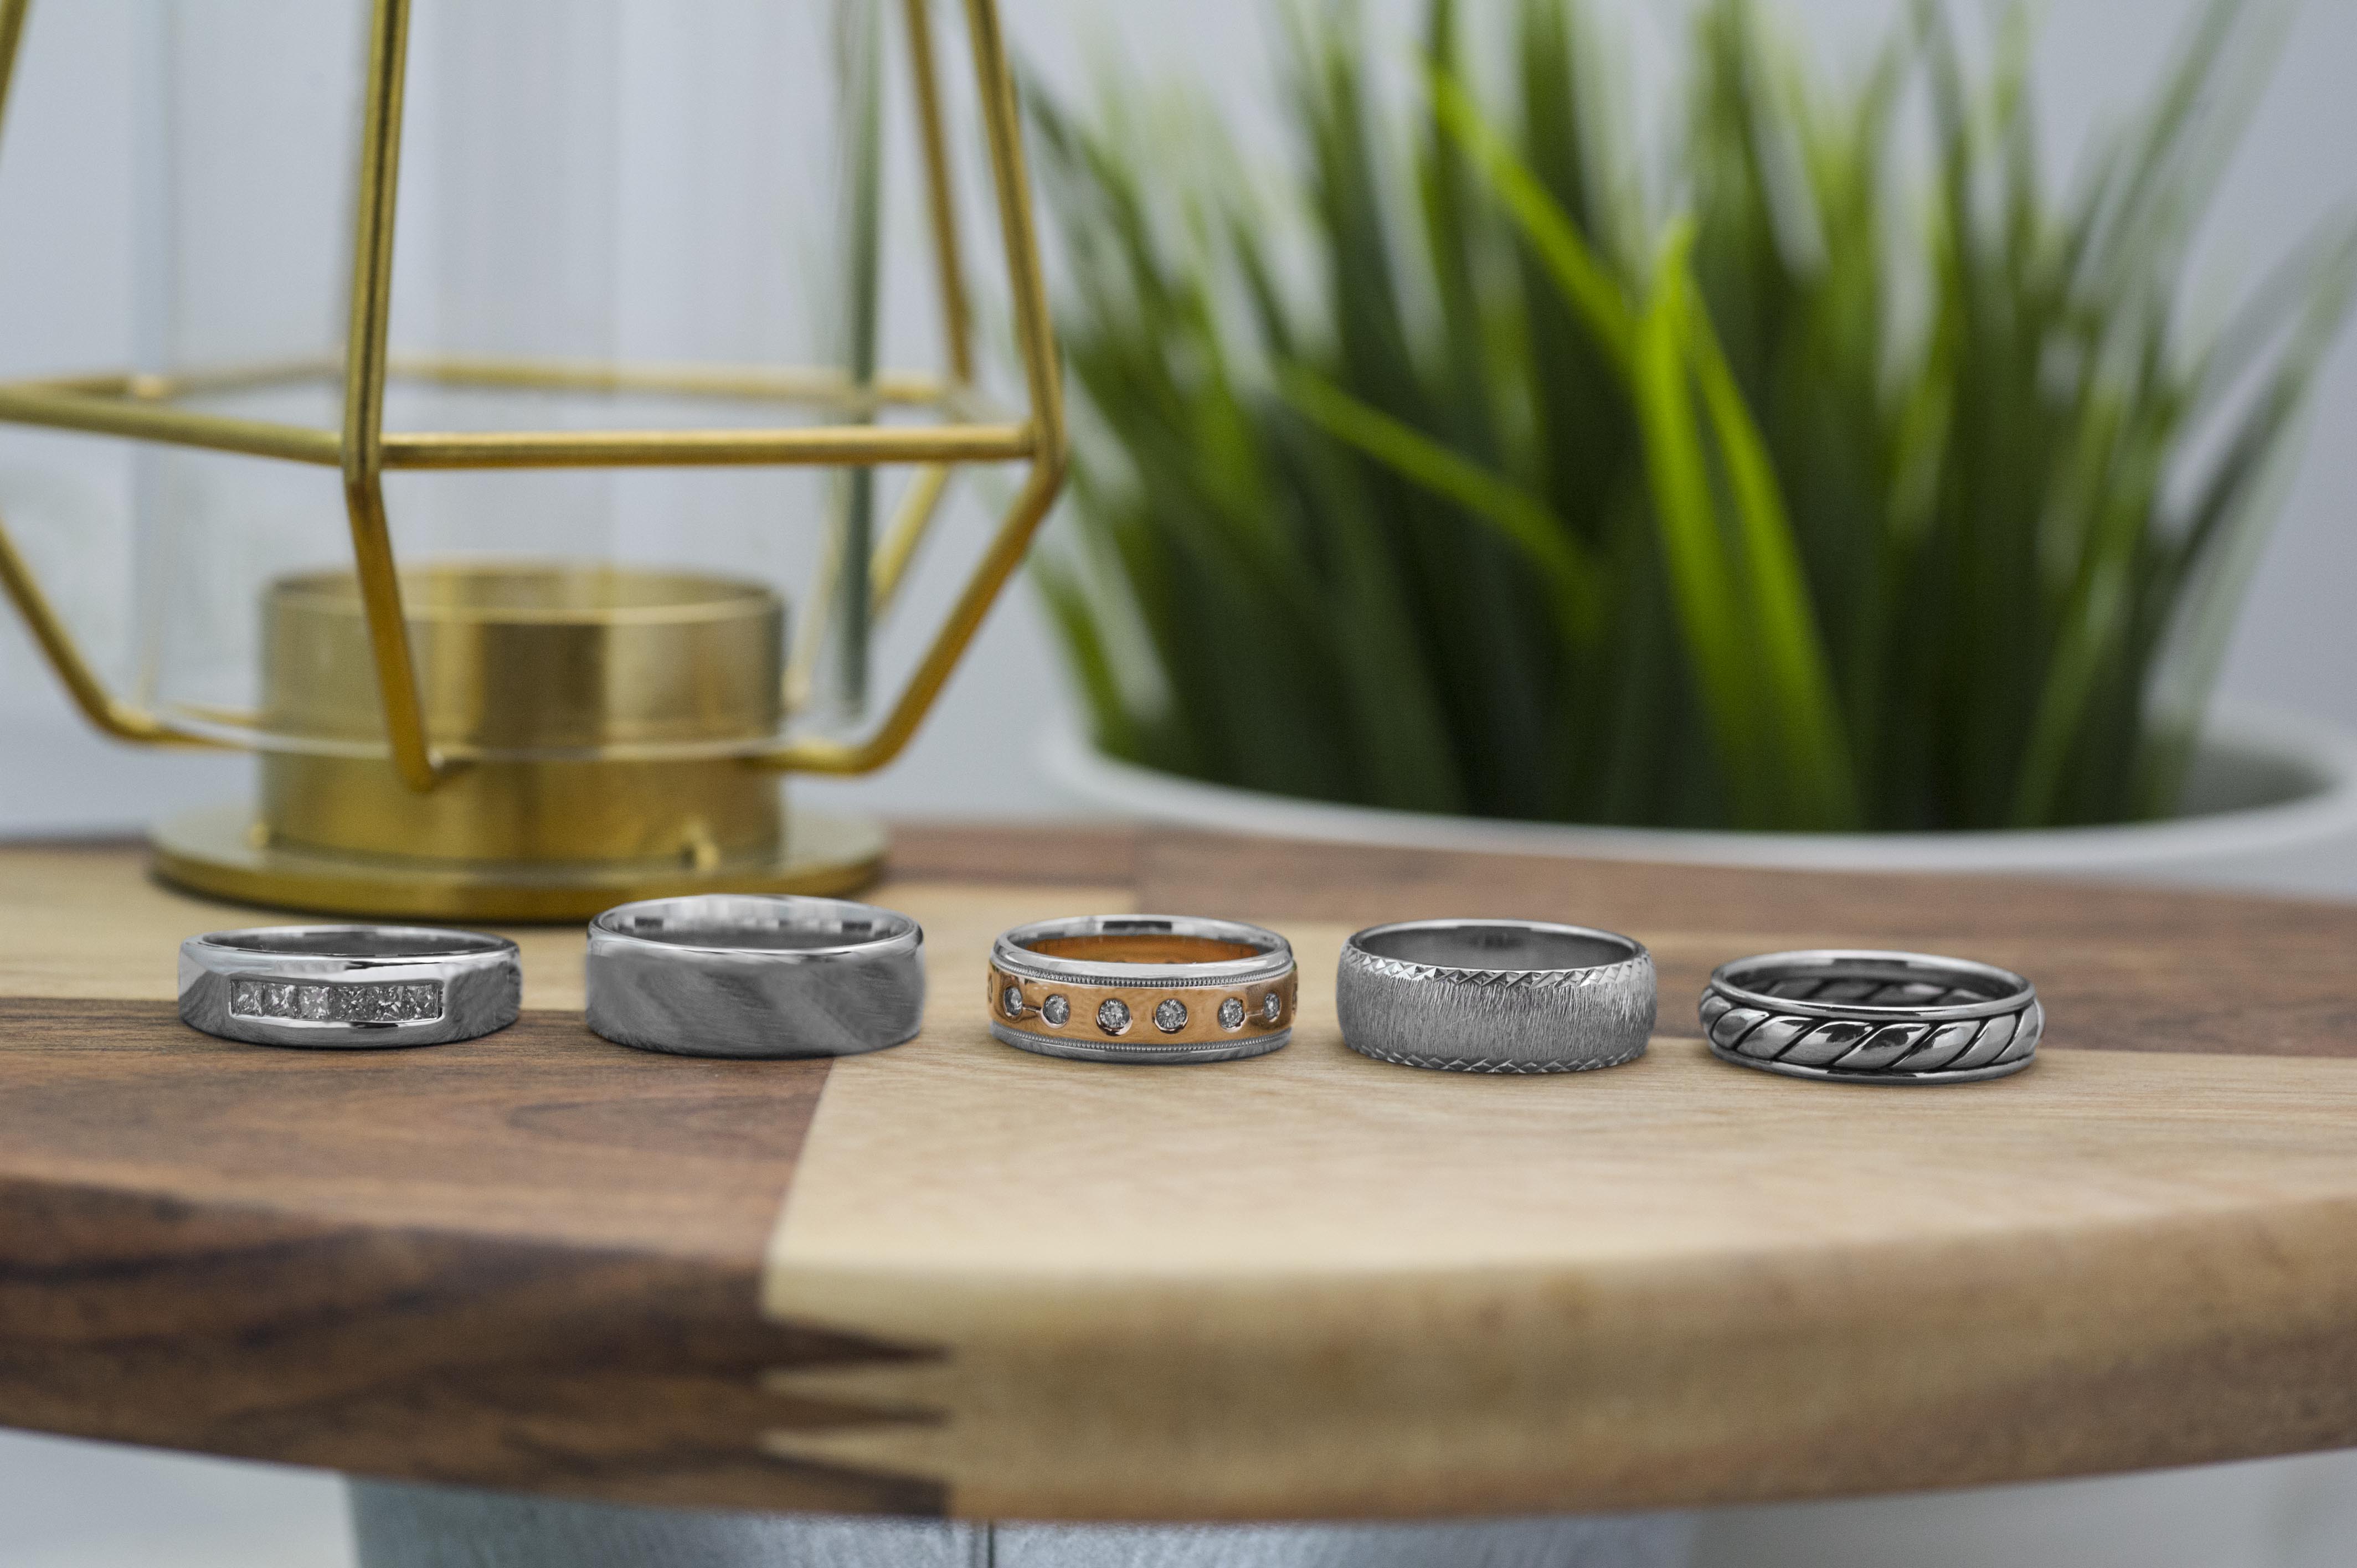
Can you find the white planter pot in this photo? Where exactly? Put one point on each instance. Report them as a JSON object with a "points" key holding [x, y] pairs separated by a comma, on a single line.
{"points": [[2272, 801]]}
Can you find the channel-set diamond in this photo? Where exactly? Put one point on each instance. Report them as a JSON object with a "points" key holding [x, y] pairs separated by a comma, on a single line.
{"points": [[364, 1001]]}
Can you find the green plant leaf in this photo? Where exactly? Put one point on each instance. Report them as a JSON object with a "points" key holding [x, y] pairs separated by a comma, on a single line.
{"points": [[1584, 280], [1797, 687], [1427, 468], [1700, 574], [1519, 517]]}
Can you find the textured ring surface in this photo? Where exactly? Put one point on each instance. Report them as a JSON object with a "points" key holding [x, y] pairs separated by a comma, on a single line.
{"points": [[1503, 996], [1860, 1015], [1141, 988], [347, 987], [724, 974]]}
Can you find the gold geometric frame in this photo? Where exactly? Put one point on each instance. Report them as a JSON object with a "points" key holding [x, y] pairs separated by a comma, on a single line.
{"points": [[142, 407]]}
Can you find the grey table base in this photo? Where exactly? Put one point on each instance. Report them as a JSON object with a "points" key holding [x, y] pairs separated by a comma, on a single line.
{"points": [[442, 1527]]}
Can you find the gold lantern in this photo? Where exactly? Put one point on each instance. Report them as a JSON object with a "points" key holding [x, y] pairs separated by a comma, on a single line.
{"points": [[537, 735]]}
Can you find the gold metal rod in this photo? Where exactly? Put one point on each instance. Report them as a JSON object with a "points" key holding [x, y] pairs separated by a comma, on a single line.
{"points": [[216, 713], [100, 706], [800, 678], [971, 405], [26, 404], [93, 383], [1035, 333], [12, 33], [886, 568], [761, 384], [751, 383], [694, 449], [922, 502], [148, 386], [364, 368], [933, 672], [911, 523], [941, 192], [232, 378], [50, 403]]}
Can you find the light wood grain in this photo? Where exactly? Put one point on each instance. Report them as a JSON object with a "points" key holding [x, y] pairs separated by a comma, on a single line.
{"points": [[1315, 1284]]}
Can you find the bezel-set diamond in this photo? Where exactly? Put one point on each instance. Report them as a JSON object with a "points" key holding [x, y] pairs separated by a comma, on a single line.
{"points": [[1272, 1007], [1057, 1011], [1231, 1013], [1011, 999], [1170, 1016], [1113, 1015]]}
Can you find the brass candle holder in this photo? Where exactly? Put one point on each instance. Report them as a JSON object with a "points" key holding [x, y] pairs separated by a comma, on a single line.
{"points": [[560, 698]]}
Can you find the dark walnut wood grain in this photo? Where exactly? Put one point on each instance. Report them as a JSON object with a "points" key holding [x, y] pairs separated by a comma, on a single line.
{"points": [[529, 1260]]}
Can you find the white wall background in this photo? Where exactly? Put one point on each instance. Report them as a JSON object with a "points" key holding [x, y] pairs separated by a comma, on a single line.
{"points": [[78, 1505]]}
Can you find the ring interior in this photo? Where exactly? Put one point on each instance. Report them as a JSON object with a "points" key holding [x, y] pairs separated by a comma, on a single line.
{"points": [[746, 931], [355, 941], [1149, 946], [1870, 985], [1478, 946]]}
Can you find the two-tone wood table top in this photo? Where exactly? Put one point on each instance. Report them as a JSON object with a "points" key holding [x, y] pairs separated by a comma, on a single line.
{"points": [[954, 1277]]}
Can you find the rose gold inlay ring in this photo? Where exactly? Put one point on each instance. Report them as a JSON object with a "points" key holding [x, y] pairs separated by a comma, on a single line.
{"points": [[1143, 988]]}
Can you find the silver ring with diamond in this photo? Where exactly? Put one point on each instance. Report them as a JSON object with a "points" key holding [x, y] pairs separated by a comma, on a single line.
{"points": [[1862, 1015], [1502, 997], [349, 986], [1143, 988]]}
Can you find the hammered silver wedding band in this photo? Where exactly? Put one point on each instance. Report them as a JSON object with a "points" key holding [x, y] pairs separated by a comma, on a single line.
{"points": [[1141, 988], [1864, 1017], [349, 986], [1503, 996], [755, 975]]}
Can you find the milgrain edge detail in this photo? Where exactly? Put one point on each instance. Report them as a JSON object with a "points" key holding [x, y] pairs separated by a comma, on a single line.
{"points": [[1497, 1065], [1526, 979]]}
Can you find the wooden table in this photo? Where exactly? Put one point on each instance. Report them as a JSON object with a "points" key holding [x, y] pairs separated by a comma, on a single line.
{"points": [[954, 1278]]}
